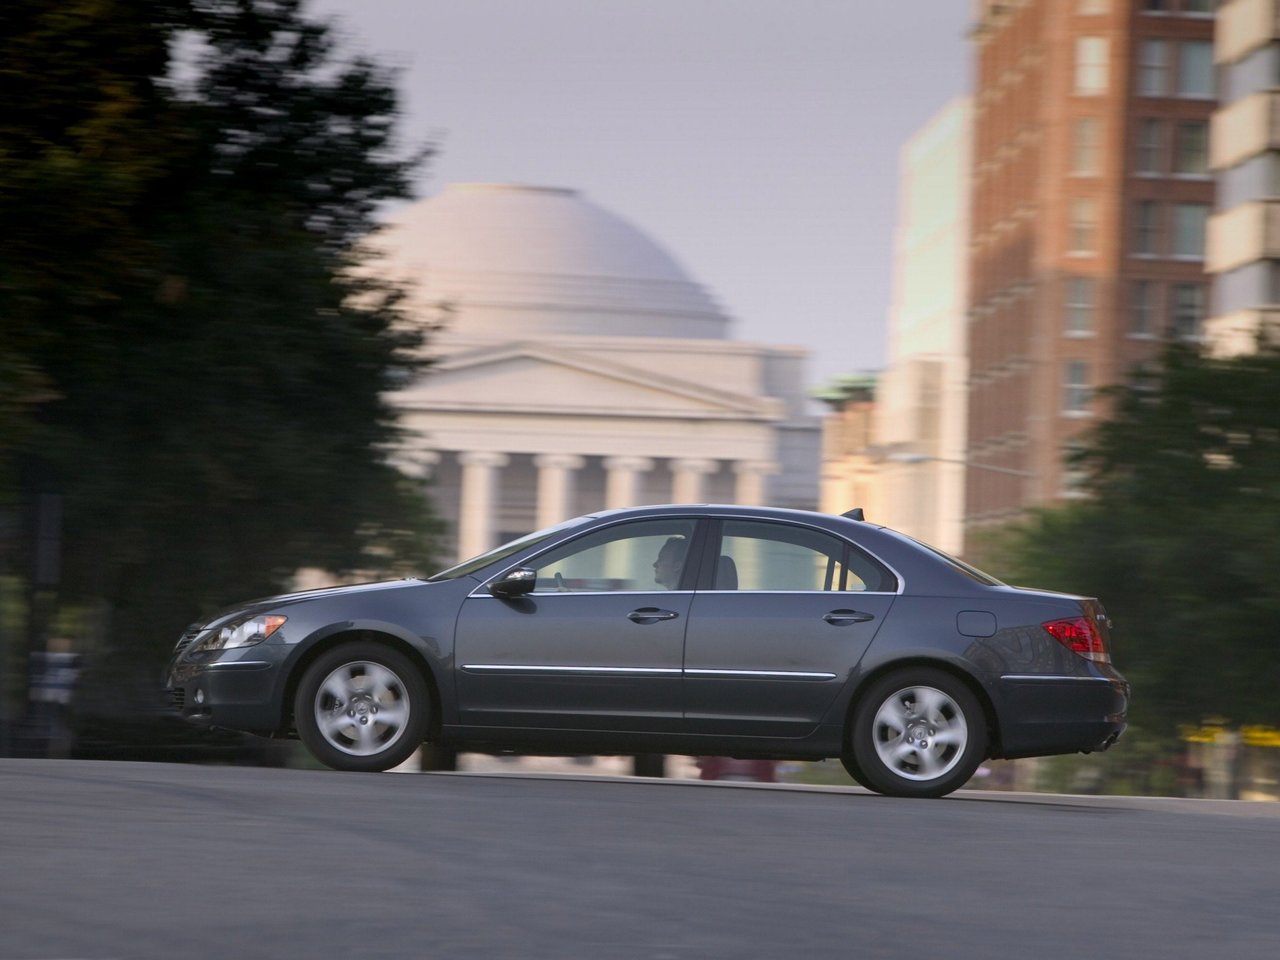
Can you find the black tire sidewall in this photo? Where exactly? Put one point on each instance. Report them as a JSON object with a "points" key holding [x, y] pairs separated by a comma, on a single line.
{"points": [[864, 758], [416, 692]]}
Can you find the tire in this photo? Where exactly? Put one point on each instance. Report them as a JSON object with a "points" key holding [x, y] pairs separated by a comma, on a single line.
{"points": [[917, 732], [851, 767], [362, 707]]}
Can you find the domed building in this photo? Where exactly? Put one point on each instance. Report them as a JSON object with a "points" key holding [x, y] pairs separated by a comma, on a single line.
{"points": [[579, 367]]}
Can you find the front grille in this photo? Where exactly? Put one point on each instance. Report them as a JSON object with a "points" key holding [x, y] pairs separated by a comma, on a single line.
{"points": [[177, 698]]}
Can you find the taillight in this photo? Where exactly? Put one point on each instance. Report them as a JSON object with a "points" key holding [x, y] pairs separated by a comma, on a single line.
{"points": [[1079, 635]]}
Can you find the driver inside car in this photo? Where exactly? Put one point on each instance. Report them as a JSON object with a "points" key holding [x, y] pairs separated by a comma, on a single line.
{"points": [[670, 563]]}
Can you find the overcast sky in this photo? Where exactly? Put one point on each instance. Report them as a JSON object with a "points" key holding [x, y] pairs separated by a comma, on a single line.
{"points": [[756, 140]]}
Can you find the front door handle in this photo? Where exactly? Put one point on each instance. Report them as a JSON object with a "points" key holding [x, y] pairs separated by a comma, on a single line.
{"points": [[651, 615], [839, 617]]}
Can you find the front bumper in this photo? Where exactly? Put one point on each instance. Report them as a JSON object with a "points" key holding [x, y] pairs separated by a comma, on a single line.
{"points": [[239, 694], [1045, 715]]}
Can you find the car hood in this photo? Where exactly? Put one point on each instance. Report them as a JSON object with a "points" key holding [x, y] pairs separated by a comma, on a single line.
{"points": [[279, 600]]}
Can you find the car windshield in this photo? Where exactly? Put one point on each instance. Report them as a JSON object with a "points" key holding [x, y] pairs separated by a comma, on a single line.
{"points": [[957, 564], [468, 567]]}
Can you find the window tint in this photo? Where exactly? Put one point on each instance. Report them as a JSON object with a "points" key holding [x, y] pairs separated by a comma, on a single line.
{"points": [[779, 556], [648, 555]]}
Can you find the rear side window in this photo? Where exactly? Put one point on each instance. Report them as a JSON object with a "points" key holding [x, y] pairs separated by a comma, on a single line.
{"points": [[758, 555]]}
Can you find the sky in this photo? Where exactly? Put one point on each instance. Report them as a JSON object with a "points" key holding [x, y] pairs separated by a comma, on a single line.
{"points": [[757, 141]]}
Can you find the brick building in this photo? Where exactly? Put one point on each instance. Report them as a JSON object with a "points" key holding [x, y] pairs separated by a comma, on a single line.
{"points": [[1091, 190]]}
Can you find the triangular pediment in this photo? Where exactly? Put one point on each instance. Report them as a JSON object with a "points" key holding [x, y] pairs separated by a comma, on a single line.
{"points": [[539, 378]]}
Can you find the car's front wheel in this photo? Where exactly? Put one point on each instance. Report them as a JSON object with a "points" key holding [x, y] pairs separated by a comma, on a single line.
{"points": [[362, 706], [918, 732]]}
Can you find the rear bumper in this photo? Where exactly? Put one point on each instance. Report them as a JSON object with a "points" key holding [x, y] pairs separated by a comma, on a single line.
{"points": [[1044, 715]]}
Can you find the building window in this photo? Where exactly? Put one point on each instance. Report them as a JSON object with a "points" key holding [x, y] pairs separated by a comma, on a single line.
{"points": [[1188, 229], [1156, 6], [1075, 387], [1204, 7], [1146, 228], [1086, 144], [1150, 159], [1083, 229], [1142, 308], [1081, 298], [1191, 151], [1187, 314], [1195, 69], [1091, 66], [1153, 68], [1075, 475]]}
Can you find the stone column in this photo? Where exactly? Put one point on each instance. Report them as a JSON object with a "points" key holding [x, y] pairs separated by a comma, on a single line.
{"points": [[479, 501], [622, 484], [749, 484], [555, 486], [686, 484]]}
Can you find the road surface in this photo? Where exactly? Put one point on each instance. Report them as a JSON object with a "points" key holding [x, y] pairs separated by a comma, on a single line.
{"points": [[129, 860]]}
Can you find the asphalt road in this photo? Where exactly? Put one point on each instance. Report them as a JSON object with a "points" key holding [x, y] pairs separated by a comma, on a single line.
{"points": [[125, 860]]}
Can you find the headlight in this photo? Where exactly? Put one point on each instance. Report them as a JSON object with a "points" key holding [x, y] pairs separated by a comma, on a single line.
{"points": [[242, 633]]}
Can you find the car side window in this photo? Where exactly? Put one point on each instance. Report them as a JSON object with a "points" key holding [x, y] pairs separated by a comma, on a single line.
{"points": [[648, 555], [779, 556]]}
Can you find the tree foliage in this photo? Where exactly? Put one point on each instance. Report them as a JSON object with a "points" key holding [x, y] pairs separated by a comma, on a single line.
{"points": [[199, 366], [1180, 537]]}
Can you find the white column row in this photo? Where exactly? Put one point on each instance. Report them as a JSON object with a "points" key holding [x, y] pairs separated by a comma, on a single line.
{"points": [[555, 495]]}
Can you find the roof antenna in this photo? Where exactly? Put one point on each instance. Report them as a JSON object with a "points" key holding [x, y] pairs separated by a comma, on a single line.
{"points": [[854, 514]]}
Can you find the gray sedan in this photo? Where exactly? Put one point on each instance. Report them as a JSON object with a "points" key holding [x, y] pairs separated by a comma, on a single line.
{"points": [[703, 630]]}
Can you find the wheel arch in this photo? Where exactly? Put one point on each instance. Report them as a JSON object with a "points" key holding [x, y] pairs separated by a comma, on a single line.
{"points": [[969, 680], [354, 634]]}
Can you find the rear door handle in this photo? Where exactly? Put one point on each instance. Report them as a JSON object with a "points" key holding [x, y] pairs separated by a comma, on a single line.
{"points": [[651, 615], [839, 617]]}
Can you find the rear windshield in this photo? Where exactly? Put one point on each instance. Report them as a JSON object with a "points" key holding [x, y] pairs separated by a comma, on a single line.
{"points": [[968, 570]]}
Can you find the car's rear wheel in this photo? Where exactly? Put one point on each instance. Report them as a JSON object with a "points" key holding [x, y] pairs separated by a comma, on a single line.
{"points": [[362, 706], [918, 732]]}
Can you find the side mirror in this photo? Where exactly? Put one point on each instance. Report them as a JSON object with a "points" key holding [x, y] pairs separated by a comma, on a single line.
{"points": [[514, 583]]}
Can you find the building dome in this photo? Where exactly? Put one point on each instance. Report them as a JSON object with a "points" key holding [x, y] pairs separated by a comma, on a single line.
{"points": [[514, 262]]}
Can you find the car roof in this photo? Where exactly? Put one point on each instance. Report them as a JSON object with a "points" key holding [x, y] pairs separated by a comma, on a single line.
{"points": [[726, 509]]}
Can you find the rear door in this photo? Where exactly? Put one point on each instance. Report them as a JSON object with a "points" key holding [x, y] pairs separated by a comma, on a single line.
{"points": [[790, 612]]}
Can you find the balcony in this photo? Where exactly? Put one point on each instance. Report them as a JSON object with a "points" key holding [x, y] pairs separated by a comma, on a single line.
{"points": [[1245, 129], [1236, 334], [1244, 234], [1243, 26]]}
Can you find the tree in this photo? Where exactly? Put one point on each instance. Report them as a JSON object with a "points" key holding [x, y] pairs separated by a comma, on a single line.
{"points": [[204, 365], [1180, 537]]}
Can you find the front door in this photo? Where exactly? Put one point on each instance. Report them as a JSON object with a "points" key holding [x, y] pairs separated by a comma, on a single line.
{"points": [[598, 644]]}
